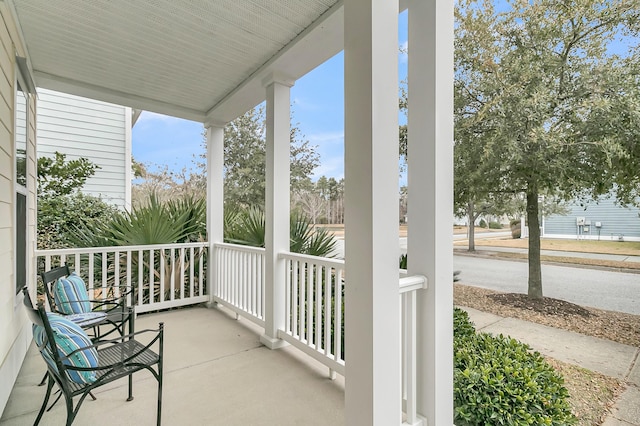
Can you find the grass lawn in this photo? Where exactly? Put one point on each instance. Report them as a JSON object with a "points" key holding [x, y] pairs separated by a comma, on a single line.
{"points": [[629, 248]]}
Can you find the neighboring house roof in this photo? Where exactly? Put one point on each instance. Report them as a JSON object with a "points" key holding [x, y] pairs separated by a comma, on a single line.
{"points": [[98, 131]]}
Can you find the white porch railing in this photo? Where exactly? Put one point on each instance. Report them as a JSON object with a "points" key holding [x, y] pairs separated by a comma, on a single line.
{"points": [[409, 287], [314, 308], [239, 282], [162, 276]]}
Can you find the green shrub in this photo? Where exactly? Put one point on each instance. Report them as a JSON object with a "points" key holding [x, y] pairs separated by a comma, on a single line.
{"points": [[462, 325], [499, 381], [495, 225], [59, 216], [482, 223]]}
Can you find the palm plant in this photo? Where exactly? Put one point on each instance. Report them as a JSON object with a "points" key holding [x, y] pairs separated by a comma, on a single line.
{"points": [[247, 227], [154, 222]]}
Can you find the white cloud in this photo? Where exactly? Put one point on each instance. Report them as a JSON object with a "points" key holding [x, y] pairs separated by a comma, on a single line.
{"points": [[404, 48], [301, 104], [328, 137], [149, 117], [332, 167]]}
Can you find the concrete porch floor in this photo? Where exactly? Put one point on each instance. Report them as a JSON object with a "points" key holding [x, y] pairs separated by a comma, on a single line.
{"points": [[216, 373]]}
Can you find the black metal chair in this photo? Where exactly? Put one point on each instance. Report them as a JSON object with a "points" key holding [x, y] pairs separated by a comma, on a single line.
{"points": [[116, 359], [111, 311]]}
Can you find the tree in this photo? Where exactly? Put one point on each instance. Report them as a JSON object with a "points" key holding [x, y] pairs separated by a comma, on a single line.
{"points": [[553, 111], [61, 206], [57, 176], [245, 159]]}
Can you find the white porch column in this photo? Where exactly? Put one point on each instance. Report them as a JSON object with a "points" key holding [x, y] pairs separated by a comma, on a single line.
{"points": [[276, 204], [372, 317], [430, 180], [215, 198]]}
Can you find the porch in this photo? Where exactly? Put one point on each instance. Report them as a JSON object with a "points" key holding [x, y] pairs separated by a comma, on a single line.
{"points": [[216, 372], [169, 59], [301, 383]]}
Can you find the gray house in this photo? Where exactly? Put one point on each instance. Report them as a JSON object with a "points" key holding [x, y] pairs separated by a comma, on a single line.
{"points": [[595, 221], [99, 131]]}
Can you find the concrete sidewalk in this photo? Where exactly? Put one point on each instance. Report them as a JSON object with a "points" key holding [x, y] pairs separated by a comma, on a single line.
{"points": [[600, 355]]}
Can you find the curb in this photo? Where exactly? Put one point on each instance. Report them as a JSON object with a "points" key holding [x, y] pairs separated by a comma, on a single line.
{"points": [[489, 254]]}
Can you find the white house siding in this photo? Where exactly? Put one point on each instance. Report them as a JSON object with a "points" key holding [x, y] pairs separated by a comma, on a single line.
{"points": [[15, 330], [99, 131], [616, 222]]}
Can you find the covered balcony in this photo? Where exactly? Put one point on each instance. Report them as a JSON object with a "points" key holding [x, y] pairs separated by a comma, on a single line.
{"points": [[370, 349]]}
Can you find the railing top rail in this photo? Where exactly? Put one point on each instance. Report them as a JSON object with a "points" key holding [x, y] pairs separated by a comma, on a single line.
{"points": [[84, 250], [240, 247], [414, 282], [324, 261]]}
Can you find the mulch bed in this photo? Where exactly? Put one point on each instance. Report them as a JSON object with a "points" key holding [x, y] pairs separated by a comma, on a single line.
{"points": [[616, 326]]}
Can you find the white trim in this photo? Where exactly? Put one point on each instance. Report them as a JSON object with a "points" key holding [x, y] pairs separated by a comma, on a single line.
{"points": [[430, 182], [85, 90], [18, 188], [320, 41], [372, 312], [128, 117], [277, 194]]}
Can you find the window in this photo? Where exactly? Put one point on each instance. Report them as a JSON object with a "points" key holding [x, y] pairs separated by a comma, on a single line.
{"points": [[20, 136]]}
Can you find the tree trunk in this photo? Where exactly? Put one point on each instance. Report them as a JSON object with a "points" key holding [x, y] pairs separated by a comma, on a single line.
{"points": [[535, 270], [472, 226]]}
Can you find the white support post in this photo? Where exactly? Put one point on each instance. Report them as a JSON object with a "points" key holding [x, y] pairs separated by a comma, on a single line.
{"points": [[215, 198], [373, 364], [276, 205], [430, 181]]}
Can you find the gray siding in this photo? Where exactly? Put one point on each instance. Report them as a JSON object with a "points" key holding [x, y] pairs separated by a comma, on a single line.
{"points": [[615, 220], [99, 131]]}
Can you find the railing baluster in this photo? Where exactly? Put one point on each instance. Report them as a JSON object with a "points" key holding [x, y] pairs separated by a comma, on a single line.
{"points": [[318, 307], [152, 266], [162, 262], [327, 311], [103, 278], [337, 333], [116, 273], [295, 297], [128, 279], [310, 268], [172, 276], [287, 296], [91, 274]]}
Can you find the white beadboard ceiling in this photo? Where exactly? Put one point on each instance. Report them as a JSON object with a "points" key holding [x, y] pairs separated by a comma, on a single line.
{"points": [[199, 59]]}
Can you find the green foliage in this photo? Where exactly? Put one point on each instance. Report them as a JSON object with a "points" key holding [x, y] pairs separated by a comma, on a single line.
{"points": [[482, 223], [174, 221], [495, 225], [462, 325], [543, 105], [58, 216], [247, 227], [499, 381], [245, 159], [57, 176]]}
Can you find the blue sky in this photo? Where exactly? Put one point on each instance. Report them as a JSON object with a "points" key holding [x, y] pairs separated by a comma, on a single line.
{"points": [[317, 102]]}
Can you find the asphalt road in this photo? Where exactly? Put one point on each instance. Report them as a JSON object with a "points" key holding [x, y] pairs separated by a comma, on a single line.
{"points": [[615, 291]]}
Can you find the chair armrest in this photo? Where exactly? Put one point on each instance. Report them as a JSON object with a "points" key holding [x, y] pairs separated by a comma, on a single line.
{"points": [[120, 340]]}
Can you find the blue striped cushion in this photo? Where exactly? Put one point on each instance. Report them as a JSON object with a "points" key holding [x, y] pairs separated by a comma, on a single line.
{"points": [[69, 337], [70, 295]]}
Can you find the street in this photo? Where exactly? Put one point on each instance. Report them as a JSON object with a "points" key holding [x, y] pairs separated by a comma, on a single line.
{"points": [[615, 291], [610, 290]]}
